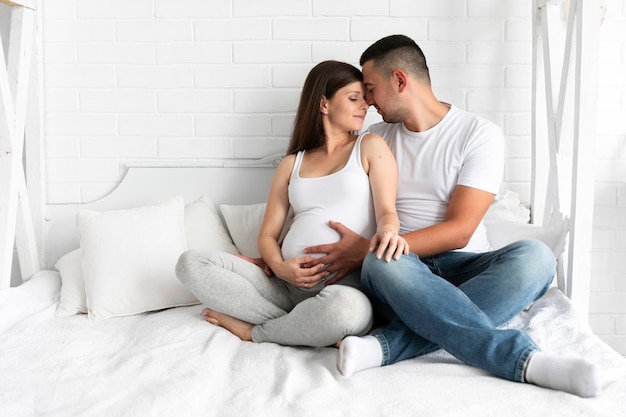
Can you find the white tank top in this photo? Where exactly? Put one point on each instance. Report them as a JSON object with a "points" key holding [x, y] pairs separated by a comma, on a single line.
{"points": [[344, 196]]}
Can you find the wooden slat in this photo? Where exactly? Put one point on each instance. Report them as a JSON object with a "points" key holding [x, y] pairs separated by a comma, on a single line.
{"points": [[535, 124], [6, 106], [551, 201], [30, 4], [585, 122], [543, 3], [18, 71], [568, 137], [34, 142], [569, 37], [15, 216], [8, 216], [8, 186], [25, 241], [23, 28]]}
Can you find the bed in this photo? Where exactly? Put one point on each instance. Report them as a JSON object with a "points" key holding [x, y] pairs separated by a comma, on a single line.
{"points": [[146, 355]]}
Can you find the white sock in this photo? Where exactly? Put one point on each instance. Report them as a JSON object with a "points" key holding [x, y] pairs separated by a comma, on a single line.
{"points": [[358, 354], [570, 374]]}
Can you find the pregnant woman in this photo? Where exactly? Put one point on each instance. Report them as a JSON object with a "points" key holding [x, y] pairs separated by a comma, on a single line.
{"points": [[330, 174]]}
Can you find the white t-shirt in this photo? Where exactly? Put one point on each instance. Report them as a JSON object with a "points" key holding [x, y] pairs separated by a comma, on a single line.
{"points": [[462, 149]]}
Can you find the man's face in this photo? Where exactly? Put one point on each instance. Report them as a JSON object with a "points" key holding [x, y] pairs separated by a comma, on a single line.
{"points": [[379, 92]]}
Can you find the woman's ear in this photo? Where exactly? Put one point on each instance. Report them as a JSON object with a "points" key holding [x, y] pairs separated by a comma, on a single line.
{"points": [[324, 105]]}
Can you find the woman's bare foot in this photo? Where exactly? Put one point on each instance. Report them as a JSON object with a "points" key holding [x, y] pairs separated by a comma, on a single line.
{"points": [[239, 328]]}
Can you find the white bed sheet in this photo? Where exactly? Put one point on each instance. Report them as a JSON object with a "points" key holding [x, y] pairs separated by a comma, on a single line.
{"points": [[172, 363]]}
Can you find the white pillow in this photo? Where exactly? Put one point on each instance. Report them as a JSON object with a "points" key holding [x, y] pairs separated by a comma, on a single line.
{"points": [[507, 207], [203, 230], [72, 299], [244, 223], [129, 257], [553, 233], [507, 221]]}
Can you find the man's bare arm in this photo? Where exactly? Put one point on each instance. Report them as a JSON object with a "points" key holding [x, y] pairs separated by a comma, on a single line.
{"points": [[466, 209]]}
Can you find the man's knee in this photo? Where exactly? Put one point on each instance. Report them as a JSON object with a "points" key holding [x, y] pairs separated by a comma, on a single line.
{"points": [[538, 254], [538, 263], [375, 269]]}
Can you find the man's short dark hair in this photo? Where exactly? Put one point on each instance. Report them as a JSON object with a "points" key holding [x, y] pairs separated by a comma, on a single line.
{"points": [[397, 51]]}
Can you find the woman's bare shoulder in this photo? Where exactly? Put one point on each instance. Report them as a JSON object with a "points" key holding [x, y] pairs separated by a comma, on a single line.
{"points": [[372, 139], [373, 143], [286, 166], [287, 162]]}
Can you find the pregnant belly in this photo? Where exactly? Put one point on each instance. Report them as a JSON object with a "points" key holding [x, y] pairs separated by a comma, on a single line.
{"points": [[304, 233]]}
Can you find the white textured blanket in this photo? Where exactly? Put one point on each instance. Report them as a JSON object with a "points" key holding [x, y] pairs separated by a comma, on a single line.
{"points": [[172, 363]]}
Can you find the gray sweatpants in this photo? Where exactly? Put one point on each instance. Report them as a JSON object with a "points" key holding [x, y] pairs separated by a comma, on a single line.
{"points": [[281, 313]]}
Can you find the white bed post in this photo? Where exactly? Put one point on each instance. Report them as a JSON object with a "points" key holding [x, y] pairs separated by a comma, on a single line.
{"points": [[585, 122], [16, 220], [564, 127]]}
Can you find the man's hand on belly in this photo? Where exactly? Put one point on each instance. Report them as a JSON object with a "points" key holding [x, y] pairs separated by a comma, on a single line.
{"points": [[341, 257]]}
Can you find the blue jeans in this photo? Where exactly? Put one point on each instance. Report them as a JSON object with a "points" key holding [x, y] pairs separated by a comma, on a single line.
{"points": [[457, 300]]}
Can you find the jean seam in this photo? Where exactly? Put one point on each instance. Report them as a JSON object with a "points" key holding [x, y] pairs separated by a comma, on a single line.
{"points": [[522, 364], [384, 346]]}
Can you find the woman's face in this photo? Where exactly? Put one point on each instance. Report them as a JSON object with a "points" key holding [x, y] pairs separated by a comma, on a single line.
{"points": [[346, 110]]}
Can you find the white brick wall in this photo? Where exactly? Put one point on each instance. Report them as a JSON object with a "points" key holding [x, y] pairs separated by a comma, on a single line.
{"points": [[608, 286], [150, 79]]}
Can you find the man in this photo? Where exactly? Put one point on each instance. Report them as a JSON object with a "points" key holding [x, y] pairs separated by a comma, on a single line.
{"points": [[452, 291]]}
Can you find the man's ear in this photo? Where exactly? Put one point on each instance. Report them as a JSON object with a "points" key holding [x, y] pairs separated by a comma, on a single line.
{"points": [[399, 79]]}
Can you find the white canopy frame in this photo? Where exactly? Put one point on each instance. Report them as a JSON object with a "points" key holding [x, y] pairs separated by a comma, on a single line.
{"points": [[564, 117], [554, 151], [20, 128]]}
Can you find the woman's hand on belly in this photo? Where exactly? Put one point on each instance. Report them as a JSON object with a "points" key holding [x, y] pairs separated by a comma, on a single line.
{"points": [[295, 272]]}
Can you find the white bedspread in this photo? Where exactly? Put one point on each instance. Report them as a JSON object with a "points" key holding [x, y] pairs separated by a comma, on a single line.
{"points": [[172, 363]]}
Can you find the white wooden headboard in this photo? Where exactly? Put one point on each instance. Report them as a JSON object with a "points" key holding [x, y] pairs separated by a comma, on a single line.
{"points": [[223, 181]]}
